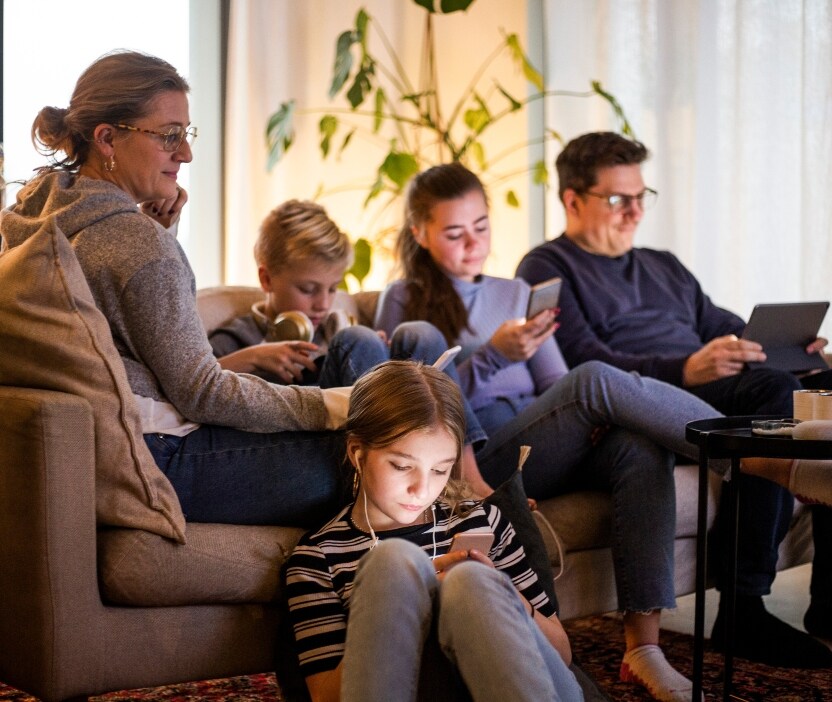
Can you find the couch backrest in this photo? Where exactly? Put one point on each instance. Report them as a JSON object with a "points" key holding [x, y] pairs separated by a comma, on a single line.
{"points": [[219, 305]]}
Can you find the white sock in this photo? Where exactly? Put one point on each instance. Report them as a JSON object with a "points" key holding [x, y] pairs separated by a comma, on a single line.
{"points": [[811, 481], [647, 666]]}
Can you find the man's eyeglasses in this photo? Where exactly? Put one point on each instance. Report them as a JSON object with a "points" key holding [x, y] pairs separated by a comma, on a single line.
{"points": [[619, 202], [171, 140]]}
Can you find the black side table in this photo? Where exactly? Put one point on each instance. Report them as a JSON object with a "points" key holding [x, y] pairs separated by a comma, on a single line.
{"points": [[731, 437]]}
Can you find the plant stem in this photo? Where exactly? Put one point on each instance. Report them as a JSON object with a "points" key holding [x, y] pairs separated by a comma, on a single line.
{"points": [[402, 74], [473, 83]]}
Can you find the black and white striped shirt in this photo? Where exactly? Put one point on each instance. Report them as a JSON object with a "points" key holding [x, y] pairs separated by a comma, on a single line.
{"points": [[322, 568]]}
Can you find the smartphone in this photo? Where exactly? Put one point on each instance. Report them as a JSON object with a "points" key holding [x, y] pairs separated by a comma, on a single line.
{"points": [[544, 296], [467, 540], [442, 362]]}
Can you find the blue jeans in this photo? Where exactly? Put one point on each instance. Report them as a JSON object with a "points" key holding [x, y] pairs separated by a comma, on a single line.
{"points": [[633, 460], [481, 624], [231, 476]]}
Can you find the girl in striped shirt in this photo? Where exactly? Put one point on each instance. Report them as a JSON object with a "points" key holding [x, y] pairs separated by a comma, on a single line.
{"points": [[372, 595]]}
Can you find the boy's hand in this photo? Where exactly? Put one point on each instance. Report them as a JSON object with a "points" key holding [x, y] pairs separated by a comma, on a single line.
{"points": [[285, 359], [282, 359]]}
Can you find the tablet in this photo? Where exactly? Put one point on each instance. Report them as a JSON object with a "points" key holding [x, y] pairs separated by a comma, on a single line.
{"points": [[785, 330]]}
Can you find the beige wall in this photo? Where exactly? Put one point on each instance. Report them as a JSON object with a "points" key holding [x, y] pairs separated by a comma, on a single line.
{"points": [[285, 49]]}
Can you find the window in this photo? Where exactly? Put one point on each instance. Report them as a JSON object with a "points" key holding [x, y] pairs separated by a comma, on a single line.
{"points": [[48, 44]]}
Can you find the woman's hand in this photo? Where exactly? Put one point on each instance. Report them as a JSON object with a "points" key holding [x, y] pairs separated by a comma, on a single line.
{"points": [[519, 340], [283, 359], [166, 212]]}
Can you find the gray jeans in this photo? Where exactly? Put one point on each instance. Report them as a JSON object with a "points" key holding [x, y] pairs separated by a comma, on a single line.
{"points": [[481, 623]]}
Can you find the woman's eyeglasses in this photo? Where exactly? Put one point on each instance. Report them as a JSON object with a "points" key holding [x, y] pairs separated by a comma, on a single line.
{"points": [[171, 140]]}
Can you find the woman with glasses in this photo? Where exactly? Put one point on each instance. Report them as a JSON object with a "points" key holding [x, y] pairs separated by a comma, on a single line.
{"points": [[236, 448]]}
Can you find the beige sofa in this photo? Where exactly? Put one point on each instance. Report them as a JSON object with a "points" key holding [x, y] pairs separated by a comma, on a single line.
{"points": [[85, 610]]}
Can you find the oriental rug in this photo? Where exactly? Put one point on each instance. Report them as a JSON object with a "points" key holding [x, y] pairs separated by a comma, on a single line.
{"points": [[597, 644]]}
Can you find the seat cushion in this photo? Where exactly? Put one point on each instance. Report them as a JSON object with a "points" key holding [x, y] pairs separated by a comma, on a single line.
{"points": [[53, 337], [219, 563]]}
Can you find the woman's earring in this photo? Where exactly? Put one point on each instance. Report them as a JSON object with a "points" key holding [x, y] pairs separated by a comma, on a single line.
{"points": [[110, 165]]}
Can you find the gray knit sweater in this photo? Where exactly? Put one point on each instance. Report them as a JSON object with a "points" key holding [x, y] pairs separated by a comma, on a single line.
{"points": [[142, 282]]}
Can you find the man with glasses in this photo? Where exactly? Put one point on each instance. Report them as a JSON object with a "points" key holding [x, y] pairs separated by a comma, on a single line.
{"points": [[642, 310]]}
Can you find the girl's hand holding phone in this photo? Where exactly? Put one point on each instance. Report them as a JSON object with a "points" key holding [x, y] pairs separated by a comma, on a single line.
{"points": [[473, 545], [443, 563], [519, 340]]}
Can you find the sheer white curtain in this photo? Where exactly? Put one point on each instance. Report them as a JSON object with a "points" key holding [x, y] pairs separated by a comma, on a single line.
{"points": [[282, 49], [734, 100]]}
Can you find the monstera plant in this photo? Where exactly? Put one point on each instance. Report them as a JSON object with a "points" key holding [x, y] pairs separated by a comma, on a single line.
{"points": [[375, 94]]}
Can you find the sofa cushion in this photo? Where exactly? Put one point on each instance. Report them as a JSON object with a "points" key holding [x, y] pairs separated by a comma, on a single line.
{"points": [[510, 498], [53, 337], [220, 563]]}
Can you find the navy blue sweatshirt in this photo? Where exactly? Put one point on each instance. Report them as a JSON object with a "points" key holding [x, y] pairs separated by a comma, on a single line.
{"points": [[642, 311]]}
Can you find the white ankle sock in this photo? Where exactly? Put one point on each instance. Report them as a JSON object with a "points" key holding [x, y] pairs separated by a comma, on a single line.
{"points": [[811, 481], [647, 666]]}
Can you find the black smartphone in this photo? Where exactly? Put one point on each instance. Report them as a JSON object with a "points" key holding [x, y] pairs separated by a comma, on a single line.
{"points": [[544, 296]]}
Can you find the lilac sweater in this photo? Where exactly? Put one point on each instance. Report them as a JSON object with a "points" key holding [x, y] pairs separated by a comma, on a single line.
{"points": [[484, 373]]}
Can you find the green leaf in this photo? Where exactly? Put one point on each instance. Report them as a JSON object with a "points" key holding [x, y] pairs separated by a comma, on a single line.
{"points": [[449, 6], [381, 99], [626, 129], [511, 199], [552, 134], [327, 127], [362, 84], [343, 62], [515, 104], [399, 167], [478, 152], [445, 6], [540, 174], [362, 260], [378, 186], [479, 118], [415, 98], [280, 133], [530, 72], [346, 142], [362, 19]]}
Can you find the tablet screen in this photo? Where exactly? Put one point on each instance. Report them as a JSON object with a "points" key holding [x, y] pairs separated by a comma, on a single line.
{"points": [[785, 330]]}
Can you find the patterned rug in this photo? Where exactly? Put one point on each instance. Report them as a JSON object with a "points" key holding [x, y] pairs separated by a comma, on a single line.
{"points": [[597, 643]]}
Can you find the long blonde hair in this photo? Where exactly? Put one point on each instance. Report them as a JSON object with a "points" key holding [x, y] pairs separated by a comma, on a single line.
{"points": [[399, 397]]}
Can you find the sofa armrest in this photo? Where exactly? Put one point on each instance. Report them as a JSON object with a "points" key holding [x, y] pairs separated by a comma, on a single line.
{"points": [[47, 527]]}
